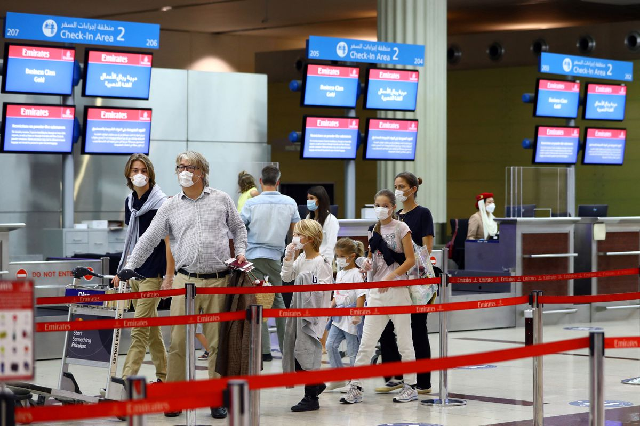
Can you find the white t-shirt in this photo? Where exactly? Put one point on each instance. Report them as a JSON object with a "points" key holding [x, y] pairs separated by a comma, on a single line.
{"points": [[388, 232], [347, 298], [317, 266]]}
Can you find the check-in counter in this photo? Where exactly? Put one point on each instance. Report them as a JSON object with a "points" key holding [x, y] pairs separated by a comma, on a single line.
{"points": [[604, 244], [531, 246]]}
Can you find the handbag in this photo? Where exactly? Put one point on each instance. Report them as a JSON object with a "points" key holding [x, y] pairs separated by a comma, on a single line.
{"points": [[425, 293]]}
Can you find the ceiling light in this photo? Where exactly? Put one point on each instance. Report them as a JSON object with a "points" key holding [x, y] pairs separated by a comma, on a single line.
{"points": [[166, 8]]}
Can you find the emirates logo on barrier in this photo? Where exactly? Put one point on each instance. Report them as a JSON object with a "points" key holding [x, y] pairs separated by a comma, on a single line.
{"points": [[625, 343]]}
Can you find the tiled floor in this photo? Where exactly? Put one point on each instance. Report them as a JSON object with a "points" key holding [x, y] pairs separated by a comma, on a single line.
{"points": [[500, 395]]}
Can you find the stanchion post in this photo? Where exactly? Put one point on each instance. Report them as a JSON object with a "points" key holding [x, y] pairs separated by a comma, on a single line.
{"points": [[136, 389], [238, 403], [444, 399], [190, 309], [255, 358], [7, 406], [596, 378], [538, 388]]}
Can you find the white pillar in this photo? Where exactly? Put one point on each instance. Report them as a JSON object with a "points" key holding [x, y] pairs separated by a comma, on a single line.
{"points": [[422, 22]]}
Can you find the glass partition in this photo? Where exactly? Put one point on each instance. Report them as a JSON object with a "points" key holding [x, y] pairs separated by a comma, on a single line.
{"points": [[539, 192]]}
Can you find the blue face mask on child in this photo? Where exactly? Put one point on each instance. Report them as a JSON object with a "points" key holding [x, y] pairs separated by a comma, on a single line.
{"points": [[311, 205]]}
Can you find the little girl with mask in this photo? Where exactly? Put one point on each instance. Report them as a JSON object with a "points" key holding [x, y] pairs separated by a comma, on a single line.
{"points": [[346, 327], [302, 350], [391, 256]]}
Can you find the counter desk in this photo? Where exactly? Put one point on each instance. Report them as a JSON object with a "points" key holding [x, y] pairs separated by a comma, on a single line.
{"points": [[604, 244], [531, 246]]}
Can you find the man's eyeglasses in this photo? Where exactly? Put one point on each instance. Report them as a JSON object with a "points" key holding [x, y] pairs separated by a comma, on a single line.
{"points": [[182, 168]]}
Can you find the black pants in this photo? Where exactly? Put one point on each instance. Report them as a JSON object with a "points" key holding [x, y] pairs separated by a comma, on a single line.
{"points": [[310, 391], [389, 346]]}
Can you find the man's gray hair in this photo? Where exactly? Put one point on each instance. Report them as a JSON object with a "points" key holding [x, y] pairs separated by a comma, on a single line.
{"points": [[270, 175], [195, 159]]}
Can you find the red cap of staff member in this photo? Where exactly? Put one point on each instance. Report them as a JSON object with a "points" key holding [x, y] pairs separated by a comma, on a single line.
{"points": [[483, 196]]}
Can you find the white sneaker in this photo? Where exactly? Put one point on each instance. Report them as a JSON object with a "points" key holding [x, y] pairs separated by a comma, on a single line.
{"points": [[335, 385], [354, 394], [407, 394], [390, 386]]}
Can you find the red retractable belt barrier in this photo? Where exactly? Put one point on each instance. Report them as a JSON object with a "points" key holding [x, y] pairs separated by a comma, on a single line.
{"points": [[543, 277], [40, 301], [207, 393], [275, 313], [615, 297], [394, 310], [234, 290], [138, 322]]}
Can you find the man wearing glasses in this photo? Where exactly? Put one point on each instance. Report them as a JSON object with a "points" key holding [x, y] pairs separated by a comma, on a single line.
{"points": [[199, 218]]}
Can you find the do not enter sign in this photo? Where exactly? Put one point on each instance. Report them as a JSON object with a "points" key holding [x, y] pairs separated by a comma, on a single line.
{"points": [[22, 273], [89, 277]]}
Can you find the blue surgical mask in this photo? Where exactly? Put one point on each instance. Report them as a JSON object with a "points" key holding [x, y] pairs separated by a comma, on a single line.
{"points": [[311, 205]]}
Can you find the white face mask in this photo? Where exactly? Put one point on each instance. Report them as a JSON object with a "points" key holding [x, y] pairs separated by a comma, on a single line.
{"points": [[139, 180], [400, 196], [382, 213], [297, 243], [185, 179], [341, 262], [491, 207]]}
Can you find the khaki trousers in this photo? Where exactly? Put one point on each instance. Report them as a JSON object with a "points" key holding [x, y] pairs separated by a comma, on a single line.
{"points": [[143, 338], [208, 304]]}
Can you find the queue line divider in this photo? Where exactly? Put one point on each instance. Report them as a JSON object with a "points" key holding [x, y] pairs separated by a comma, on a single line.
{"points": [[168, 396], [324, 312], [163, 397], [41, 301]]}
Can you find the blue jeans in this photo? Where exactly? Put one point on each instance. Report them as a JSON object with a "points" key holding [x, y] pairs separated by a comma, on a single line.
{"points": [[336, 336]]}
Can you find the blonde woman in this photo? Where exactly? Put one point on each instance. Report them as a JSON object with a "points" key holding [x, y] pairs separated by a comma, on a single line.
{"points": [[247, 188]]}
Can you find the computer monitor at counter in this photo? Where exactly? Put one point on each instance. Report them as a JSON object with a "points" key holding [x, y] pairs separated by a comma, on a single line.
{"points": [[524, 210], [593, 210]]}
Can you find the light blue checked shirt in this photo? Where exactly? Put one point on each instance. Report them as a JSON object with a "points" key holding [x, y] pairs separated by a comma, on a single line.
{"points": [[268, 218]]}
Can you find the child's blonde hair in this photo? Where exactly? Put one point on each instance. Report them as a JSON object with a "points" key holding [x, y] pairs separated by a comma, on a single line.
{"points": [[311, 229], [350, 246]]}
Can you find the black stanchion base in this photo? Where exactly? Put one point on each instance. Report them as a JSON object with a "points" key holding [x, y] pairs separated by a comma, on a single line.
{"points": [[7, 408], [449, 402]]}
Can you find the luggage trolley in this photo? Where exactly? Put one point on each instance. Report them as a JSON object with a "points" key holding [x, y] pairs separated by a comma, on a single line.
{"points": [[89, 348], [93, 348]]}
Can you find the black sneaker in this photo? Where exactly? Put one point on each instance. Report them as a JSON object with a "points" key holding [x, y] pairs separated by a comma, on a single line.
{"points": [[172, 413], [306, 404], [267, 357], [219, 412]]}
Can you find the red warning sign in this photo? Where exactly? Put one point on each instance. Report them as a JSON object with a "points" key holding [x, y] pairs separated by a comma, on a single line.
{"points": [[433, 260], [22, 273], [89, 277]]}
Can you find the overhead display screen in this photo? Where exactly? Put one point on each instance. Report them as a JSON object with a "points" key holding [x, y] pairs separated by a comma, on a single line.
{"points": [[35, 128], [123, 75], [604, 146], [116, 130], [333, 138], [557, 98], [330, 86], [391, 139], [605, 102], [38, 69], [556, 145], [390, 89]]}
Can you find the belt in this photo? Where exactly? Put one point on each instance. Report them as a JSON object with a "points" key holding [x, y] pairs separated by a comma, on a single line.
{"points": [[219, 274]]}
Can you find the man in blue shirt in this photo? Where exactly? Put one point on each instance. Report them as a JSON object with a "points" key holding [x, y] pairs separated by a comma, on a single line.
{"points": [[269, 217]]}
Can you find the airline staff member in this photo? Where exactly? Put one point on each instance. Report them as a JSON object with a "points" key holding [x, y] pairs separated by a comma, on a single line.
{"points": [[482, 224], [199, 218]]}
